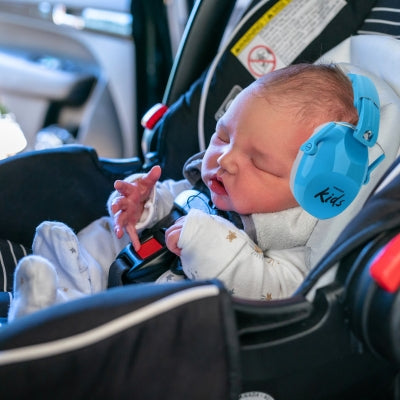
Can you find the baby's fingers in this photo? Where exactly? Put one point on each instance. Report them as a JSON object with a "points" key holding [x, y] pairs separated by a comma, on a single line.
{"points": [[132, 232], [124, 188], [153, 175], [119, 223], [118, 204], [172, 235], [147, 182]]}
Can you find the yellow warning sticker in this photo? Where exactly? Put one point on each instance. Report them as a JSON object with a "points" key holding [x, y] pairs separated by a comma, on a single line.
{"points": [[283, 32], [256, 28]]}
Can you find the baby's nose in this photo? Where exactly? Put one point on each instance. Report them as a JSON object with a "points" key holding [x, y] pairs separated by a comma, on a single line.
{"points": [[227, 162]]}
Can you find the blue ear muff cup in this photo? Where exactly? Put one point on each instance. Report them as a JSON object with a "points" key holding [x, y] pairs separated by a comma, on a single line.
{"points": [[327, 181], [332, 164]]}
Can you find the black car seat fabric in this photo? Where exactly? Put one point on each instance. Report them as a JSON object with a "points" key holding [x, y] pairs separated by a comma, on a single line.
{"points": [[173, 341], [384, 18], [70, 185], [10, 254], [320, 25]]}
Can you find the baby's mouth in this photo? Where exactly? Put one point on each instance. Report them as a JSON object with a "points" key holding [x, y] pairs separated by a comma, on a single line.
{"points": [[217, 186]]}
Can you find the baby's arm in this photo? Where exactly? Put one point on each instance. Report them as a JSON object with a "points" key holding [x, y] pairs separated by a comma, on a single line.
{"points": [[212, 247]]}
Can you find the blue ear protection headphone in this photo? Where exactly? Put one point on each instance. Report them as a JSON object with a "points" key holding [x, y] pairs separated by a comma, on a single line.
{"points": [[332, 164]]}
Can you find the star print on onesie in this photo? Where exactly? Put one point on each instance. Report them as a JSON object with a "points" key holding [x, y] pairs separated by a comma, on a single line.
{"points": [[57, 271], [58, 243], [212, 247]]}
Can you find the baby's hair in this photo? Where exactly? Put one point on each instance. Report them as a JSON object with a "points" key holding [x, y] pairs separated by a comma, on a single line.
{"points": [[315, 92]]}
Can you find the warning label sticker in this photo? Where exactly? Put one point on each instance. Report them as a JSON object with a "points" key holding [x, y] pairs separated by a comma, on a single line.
{"points": [[283, 32], [260, 60]]}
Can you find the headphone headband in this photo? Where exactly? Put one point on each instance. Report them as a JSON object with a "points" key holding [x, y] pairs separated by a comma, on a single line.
{"points": [[366, 101]]}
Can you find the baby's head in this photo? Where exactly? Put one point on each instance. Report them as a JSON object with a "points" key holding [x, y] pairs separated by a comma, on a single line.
{"points": [[248, 163], [314, 93]]}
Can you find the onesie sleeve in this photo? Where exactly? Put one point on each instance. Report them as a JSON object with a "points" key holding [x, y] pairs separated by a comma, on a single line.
{"points": [[212, 247]]}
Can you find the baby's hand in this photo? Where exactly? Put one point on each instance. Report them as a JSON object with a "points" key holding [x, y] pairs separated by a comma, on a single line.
{"points": [[128, 207], [172, 235]]}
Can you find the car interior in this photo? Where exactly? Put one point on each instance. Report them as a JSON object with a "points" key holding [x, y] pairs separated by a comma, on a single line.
{"points": [[112, 89]]}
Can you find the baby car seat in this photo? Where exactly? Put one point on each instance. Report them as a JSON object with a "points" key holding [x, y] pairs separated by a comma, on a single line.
{"points": [[335, 338], [192, 340]]}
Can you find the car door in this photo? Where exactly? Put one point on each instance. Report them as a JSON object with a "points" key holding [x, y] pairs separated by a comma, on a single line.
{"points": [[73, 71]]}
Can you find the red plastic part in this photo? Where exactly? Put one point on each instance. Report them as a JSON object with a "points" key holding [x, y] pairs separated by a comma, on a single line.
{"points": [[148, 248], [152, 116], [385, 269]]}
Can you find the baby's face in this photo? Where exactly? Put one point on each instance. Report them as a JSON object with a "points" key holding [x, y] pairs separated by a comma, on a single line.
{"points": [[248, 162]]}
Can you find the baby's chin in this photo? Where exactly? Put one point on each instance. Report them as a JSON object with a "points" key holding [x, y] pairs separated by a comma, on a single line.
{"points": [[221, 202]]}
